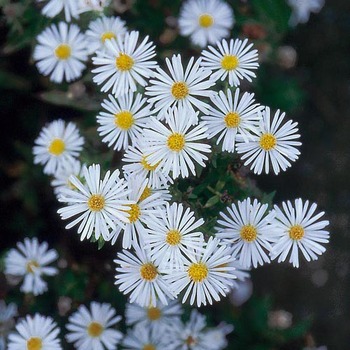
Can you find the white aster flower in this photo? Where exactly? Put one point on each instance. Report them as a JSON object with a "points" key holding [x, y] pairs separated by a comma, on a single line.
{"points": [[301, 10], [102, 29], [144, 338], [7, 322], [234, 59], [57, 145], [30, 262], [98, 204], [175, 148], [215, 338], [62, 175], [181, 87], [138, 165], [232, 116], [154, 317], [297, 228], [140, 275], [205, 21], [273, 144], [173, 236], [61, 52], [93, 328], [54, 7], [92, 5], [247, 227], [124, 64], [124, 120], [139, 213], [206, 274], [37, 332]]}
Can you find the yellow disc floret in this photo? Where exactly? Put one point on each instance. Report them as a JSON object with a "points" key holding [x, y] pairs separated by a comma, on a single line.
{"points": [[197, 272], [124, 62], [96, 202], [63, 51], [149, 347], [107, 36], [124, 120], [205, 20], [31, 266], [148, 272], [267, 141], [34, 343], [229, 62], [179, 90], [57, 147], [95, 329], [173, 237], [145, 194], [232, 120], [153, 313], [147, 165], [248, 233], [296, 232], [176, 142], [134, 212]]}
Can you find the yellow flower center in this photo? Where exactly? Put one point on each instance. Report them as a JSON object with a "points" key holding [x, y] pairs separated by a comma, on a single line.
{"points": [[134, 212], [96, 202], [145, 194], [149, 347], [124, 120], [176, 142], [95, 329], [124, 62], [173, 237], [31, 266], [232, 119], [179, 90], [229, 62], [268, 141], [148, 166], [190, 341], [153, 313], [57, 147], [205, 20], [107, 36], [63, 51], [34, 343], [296, 232], [148, 272], [248, 233], [197, 272]]}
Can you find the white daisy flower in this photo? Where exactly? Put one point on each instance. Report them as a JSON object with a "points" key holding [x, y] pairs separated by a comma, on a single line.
{"points": [[215, 338], [298, 228], [33, 333], [139, 166], [144, 338], [205, 21], [92, 5], [153, 317], [180, 88], [124, 120], [175, 148], [102, 29], [234, 59], [30, 261], [273, 143], [139, 213], [61, 177], [94, 328], [173, 236], [124, 64], [57, 145], [140, 275], [205, 275], [7, 322], [54, 7], [247, 227], [61, 52], [232, 116], [301, 10], [98, 204]]}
